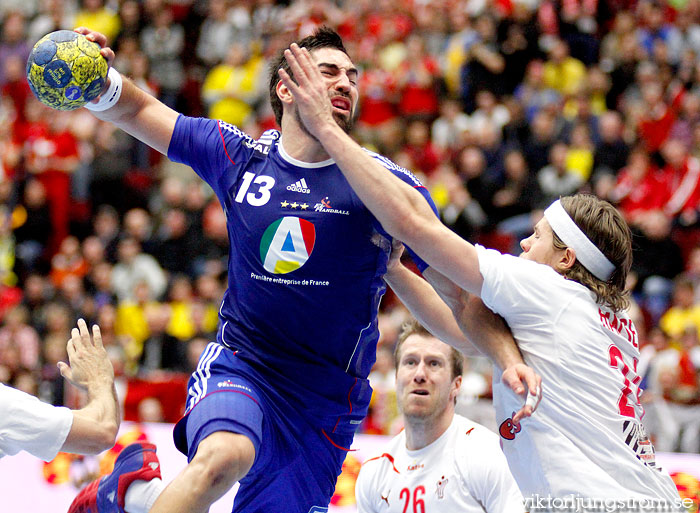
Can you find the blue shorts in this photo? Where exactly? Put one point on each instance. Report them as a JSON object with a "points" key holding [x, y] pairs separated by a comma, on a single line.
{"points": [[296, 462]]}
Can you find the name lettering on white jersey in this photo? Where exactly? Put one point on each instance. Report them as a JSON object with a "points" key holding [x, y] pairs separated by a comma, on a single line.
{"points": [[621, 326]]}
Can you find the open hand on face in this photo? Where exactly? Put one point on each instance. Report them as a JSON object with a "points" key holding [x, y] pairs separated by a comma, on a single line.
{"points": [[308, 89]]}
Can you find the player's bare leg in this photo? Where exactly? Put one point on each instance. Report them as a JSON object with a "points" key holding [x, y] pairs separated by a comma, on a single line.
{"points": [[222, 459]]}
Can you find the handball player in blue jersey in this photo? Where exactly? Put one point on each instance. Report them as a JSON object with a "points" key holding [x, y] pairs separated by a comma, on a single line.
{"points": [[276, 399]]}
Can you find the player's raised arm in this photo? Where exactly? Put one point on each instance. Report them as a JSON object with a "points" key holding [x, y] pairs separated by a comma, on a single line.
{"points": [[401, 210], [130, 108]]}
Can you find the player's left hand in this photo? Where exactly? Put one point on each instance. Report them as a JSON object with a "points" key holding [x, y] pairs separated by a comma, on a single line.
{"points": [[308, 89], [514, 376], [88, 361]]}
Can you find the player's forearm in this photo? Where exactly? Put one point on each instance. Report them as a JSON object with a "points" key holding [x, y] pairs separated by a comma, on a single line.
{"points": [[96, 425], [402, 211], [485, 331], [397, 206], [425, 305], [488, 332], [142, 116]]}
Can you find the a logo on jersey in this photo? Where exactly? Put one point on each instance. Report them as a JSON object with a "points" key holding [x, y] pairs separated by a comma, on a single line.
{"points": [[318, 509], [508, 430], [299, 186], [636, 438], [440, 489], [287, 244], [325, 206], [230, 384]]}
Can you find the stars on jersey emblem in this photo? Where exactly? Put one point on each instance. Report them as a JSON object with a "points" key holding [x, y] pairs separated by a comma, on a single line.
{"points": [[294, 205]]}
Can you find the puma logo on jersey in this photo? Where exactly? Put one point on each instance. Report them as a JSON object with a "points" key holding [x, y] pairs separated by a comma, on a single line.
{"points": [[299, 186]]}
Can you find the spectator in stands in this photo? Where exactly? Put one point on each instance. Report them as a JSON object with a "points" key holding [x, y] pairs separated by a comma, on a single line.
{"points": [[33, 228], [680, 388], [579, 155], [13, 42], [16, 332], [162, 351], [447, 128], [417, 82], [232, 89], [217, 34], [134, 267], [684, 310], [562, 72], [163, 41], [556, 179], [611, 151], [51, 157], [96, 15], [68, 261]]}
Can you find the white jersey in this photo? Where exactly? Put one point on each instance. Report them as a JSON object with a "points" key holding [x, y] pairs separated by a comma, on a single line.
{"points": [[27, 424], [586, 438], [462, 471]]}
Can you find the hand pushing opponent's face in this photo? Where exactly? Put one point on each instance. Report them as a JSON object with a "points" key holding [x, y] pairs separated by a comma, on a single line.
{"points": [[341, 77]]}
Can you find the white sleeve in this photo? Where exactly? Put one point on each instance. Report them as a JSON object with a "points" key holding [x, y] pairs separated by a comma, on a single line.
{"points": [[491, 482], [27, 424], [363, 489], [522, 291]]}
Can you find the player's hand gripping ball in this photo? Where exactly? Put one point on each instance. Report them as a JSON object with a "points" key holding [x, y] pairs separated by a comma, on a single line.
{"points": [[65, 70]]}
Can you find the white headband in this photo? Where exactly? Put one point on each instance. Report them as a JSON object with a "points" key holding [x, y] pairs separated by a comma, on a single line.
{"points": [[586, 252]]}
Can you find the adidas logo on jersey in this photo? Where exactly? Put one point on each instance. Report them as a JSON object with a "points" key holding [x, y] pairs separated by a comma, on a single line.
{"points": [[299, 186]]}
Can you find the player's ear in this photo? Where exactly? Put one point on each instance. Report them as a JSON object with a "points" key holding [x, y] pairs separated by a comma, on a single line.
{"points": [[283, 93], [456, 385], [567, 259]]}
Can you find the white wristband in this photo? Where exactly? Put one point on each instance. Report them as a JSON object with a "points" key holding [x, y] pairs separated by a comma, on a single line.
{"points": [[111, 96]]}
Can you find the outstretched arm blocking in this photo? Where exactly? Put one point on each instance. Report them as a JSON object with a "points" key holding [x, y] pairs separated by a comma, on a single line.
{"points": [[401, 210]]}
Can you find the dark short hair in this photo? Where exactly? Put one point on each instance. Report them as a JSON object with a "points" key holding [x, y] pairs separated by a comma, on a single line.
{"points": [[413, 327], [324, 37]]}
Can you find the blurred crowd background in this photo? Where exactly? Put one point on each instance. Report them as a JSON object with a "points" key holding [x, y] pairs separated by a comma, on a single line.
{"points": [[500, 106]]}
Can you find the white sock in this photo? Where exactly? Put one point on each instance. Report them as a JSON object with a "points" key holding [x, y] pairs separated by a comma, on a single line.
{"points": [[142, 494]]}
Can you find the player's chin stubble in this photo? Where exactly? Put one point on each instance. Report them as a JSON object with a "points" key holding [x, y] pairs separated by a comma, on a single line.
{"points": [[345, 123]]}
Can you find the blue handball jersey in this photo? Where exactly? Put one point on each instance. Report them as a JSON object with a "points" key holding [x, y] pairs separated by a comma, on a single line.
{"points": [[305, 265]]}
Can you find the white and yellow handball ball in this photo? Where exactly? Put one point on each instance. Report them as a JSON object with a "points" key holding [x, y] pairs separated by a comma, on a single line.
{"points": [[65, 70]]}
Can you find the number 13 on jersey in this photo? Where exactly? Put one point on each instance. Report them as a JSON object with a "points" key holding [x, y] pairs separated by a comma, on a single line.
{"points": [[260, 195]]}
